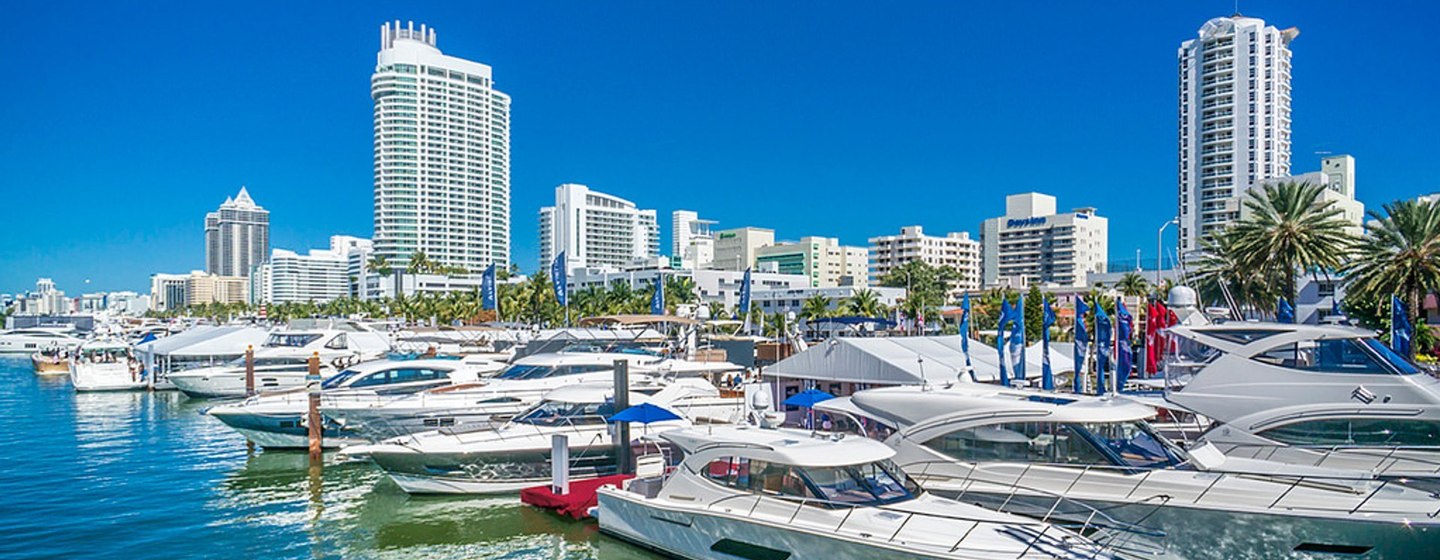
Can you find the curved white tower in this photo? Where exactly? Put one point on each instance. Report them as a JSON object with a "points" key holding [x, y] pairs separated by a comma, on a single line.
{"points": [[1234, 119], [442, 155]]}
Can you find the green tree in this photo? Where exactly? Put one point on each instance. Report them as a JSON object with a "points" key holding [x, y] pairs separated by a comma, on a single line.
{"points": [[1132, 284], [1034, 314], [815, 307], [420, 263], [589, 302], [1400, 256], [679, 290], [1289, 229], [379, 265], [1219, 267], [717, 310], [927, 287], [864, 303]]}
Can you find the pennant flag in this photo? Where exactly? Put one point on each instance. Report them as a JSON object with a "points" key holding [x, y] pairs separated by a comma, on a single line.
{"points": [[1047, 377], [745, 295], [1102, 348], [1017, 341], [1284, 313], [487, 288], [1400, 331], [559, 279], [1124, 327], [1152, 336], [1335, 306], [657, 299], [965, 333], [1082, 342], [1000, 339]]}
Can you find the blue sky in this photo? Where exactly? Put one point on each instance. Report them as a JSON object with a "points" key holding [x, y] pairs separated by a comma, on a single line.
{"points": [[124, 123]]}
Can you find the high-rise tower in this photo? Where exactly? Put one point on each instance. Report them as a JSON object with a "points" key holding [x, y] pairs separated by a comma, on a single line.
{"points": [[237, 236], [442, 154], [1234, 131]]}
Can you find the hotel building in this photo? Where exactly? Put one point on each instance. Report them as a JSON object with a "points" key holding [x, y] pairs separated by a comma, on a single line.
{"points": [[237, 236], [596, 229], [823, 260], [1032, 244], [955, 250]]}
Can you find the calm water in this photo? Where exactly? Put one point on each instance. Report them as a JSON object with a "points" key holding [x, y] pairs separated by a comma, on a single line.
{"points": [[145, 475]]}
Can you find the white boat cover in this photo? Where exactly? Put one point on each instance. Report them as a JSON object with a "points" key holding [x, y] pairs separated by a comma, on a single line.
{"points": [[909, 360], [206, 341]]}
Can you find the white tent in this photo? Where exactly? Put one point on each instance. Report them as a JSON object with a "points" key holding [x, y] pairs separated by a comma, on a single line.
{"points": [[197, 346], [905, 361]]}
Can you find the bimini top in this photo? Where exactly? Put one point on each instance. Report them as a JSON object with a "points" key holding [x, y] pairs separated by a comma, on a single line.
{"points": [[916, 407], [783, 446]]}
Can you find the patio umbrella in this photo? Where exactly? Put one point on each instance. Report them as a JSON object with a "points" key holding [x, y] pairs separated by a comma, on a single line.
{"points": [[807, 399], [644, 413]]}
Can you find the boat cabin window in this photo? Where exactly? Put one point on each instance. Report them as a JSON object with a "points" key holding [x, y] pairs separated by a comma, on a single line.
{"points": [[385, 377], [556, 413], [1120, 444], [1388, 432], [1335, 355], [523, 371], [337, 343], [287, 340], [865, 484], [1242, 336]]}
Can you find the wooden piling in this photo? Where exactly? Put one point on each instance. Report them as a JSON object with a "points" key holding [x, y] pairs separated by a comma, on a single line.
{"points": [[622, 429], [250, 371], [312, 386]]}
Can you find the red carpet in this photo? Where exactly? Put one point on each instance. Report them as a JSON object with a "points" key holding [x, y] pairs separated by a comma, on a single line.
{"points": [[578, 502]]}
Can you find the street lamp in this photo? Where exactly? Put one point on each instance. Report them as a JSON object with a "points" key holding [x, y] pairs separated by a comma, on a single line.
{"points": [[1160, 247]]}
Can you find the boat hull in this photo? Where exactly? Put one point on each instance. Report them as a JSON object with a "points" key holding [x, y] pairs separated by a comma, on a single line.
{"points": [[105, 377], [284, 431], [487, 472], [45, 365], [230, 384]]}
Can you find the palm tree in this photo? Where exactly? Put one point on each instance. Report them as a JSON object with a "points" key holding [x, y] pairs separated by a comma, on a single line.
{"points": [[680, 290], [1219, 268], [379, 265], [815, 307], [1132, 284], [590, 301], [865, 303], [1401, 254], [717, 310], [1289, 229], [420, 263]]}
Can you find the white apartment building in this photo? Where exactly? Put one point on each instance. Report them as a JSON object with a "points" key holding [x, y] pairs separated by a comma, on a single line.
{"points": [[1337, 175], [1032, 244], [710, 285], [692, 242], [321, 275], [45, 300], [167, 291], [596, 229], [793, 299], [955, 250], [735, 249], [442, 154], [823, 259], [1234, 113], [237, 236]]}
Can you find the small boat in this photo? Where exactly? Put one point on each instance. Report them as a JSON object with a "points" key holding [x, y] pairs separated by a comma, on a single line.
{"points": [[53, 361], [516, 455], [276, 419], [283, 361], [105, 364], [27, 341], [753, 492]]}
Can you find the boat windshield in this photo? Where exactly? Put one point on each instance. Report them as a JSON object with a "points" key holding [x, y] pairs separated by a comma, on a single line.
{"points": [[866, 484], [523, 371], [1395, 360], [338, 379], [288, 340], [556, 413], [1122, 444], [1132, 444]]}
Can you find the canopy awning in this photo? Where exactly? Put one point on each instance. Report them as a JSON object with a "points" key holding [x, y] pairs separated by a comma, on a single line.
{"points": [[910, 360], [206, 341]]}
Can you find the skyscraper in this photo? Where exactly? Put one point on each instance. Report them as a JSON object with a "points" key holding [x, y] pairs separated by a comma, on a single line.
{"points": [[596, 229], [237, 236], [442, 155], [691, 241], [1234, 119]]}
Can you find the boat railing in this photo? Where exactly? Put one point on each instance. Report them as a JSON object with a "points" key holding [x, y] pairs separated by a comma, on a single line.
{"points": [[1381, 461], [1361, 490], [1033, 533]]}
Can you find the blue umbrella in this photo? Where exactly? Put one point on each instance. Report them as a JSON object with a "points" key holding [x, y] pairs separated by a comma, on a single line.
{"points": [[644, 413], [808, 398]]}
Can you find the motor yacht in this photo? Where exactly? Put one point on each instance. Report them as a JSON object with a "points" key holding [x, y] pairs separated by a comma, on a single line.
{"points": [[750, 492], [282, 361], [495, 399], [276, 419], [516, 455], [1322, 395], [31, 340], [51, 361], [105, 364], [1018, 449]]}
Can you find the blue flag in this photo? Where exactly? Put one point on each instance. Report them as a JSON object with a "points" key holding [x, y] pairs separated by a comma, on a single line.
{"points": [[1000, 340], [559, 278], [1047, 377], [1124, 326], [1102, 348], [965, 333], [1082, 341], [1401, 333], [657, 299], [1335, 306], [1017, 341], [1284, 313], [487, 288]]}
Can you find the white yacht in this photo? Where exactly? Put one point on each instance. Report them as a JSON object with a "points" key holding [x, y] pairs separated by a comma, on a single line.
{"points": [[31, 340], [750, 492], [516, 455], [1017, 450], [495, 399], [276, 419], [282, 361], [1317, 395], [105, 364]]}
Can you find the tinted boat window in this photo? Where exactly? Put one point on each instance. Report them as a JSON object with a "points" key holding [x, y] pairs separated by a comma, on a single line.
{"points": [[1241, 337], [1358, 431], [1025, 442], [1337, 355]]}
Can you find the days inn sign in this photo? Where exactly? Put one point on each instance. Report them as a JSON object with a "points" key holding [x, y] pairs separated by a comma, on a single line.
{"points": [[1025, 222]]}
